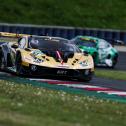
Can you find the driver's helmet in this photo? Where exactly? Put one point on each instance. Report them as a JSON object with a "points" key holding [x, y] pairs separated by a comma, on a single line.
{"points": [[33, 43]]}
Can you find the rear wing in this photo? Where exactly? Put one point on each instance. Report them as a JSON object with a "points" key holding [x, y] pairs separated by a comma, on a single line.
{"points": [[12, 35]]}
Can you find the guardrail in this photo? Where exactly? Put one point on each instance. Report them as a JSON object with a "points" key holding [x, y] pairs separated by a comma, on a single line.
{"points": [[66, 32]]}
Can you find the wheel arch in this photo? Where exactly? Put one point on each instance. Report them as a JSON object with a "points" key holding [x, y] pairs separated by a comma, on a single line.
{"points": [[18, 53], [0, 51]]}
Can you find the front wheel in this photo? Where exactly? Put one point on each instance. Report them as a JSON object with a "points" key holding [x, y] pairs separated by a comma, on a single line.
{"points": [[114, 61], [18, 64], [86, 78]]}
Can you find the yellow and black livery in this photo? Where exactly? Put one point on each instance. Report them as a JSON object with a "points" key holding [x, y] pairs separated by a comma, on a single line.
{"points": [[44, 55]]}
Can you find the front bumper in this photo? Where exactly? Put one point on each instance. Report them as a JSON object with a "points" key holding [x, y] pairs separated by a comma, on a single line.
{"points": [[35, 70]]}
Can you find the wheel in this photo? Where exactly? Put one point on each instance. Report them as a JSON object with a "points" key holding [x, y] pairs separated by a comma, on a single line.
{"points": [[9, 61], [114, 61], [2, 60], [19, 68], [95, 56], [86, 78]]}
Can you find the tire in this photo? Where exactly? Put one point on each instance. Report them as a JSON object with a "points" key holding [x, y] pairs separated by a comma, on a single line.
{"points": [[9, 61], [114, 61], [94, 56], [19, 68], [87, 78], [2, 60]]}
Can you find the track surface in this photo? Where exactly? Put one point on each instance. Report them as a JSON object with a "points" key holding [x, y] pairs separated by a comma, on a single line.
{"points": [[109, 83], [121, 65]]}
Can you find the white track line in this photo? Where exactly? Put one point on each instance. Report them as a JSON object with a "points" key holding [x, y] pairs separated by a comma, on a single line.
{"points": [[81, 86], [74, 84], [37, 79], [113, 92]]}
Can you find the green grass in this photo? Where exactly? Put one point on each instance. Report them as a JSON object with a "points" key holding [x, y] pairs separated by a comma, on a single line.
{"points": [[112, 74], [24, 105], [80, 13]]}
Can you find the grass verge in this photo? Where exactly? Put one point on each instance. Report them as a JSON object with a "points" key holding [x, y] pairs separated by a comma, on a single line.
{"points": [[111, 74], [79, 13], [25, 105]]}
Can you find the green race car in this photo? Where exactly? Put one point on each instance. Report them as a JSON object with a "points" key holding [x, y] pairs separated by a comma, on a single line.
{"points": [[102, 51]]}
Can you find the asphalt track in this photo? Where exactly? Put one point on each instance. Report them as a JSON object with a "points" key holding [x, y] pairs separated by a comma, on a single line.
{"points": [[109, 83], [121, 65]]}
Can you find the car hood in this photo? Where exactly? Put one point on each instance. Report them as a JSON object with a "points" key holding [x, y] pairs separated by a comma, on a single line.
{"points": [[72, 61], [90, 50]]}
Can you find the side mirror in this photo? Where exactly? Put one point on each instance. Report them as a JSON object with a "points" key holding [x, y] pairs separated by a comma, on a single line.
{"points": [[85, 53], [15, 46]]}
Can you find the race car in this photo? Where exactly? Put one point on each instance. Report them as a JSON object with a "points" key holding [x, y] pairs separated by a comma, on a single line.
{"points": [[45, 55], [102, 51]]}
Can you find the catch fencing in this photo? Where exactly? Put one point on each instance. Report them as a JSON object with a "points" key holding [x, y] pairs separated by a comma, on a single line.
{"points": [[65, 32]]}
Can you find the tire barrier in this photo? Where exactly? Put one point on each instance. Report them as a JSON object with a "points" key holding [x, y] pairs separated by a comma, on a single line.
{"points": [[65, 32]]}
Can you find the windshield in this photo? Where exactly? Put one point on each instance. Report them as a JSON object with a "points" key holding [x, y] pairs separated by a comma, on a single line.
{"points": [[52, 44], [85, 43], [103, 44]]}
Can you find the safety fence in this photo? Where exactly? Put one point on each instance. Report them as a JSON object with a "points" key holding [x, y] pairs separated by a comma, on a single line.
{"points": [[65, 32]]}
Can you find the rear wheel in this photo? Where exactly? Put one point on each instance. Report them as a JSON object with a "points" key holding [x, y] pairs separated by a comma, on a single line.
{"points": [[2, 60], [95, 58]]}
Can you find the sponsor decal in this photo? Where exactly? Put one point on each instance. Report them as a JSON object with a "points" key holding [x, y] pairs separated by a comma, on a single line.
{"points": [[63, 66], [59, 57], [36, 53], [108, 62], [37, 60], [12, 68], [62, 72]]}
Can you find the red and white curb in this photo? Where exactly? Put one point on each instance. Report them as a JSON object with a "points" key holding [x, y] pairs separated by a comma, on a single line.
{"points": [[81, 85]]}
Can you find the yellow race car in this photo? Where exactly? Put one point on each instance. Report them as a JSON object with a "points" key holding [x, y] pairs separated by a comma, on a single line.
{"points": [[44, 55]]}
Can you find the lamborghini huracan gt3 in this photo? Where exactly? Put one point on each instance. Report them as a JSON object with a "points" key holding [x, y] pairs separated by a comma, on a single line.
{"points": [[44, 55]]}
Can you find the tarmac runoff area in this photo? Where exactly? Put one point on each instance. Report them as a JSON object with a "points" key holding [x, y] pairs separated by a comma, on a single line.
{"points": [[120, 48], [99, 87]]}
